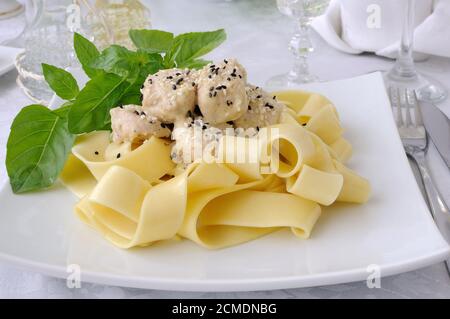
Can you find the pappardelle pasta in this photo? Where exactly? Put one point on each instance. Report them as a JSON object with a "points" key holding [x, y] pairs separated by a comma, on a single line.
{"points": [[143, 196]]}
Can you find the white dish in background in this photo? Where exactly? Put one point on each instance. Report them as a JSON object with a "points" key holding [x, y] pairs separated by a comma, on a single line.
{"points": [[7, 57], [394, 230]]}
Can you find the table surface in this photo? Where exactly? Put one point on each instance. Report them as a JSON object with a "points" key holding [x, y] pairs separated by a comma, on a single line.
{"points": [[258, 37]]}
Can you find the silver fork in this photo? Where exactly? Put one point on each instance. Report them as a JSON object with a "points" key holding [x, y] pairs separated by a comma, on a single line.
{"points": [[415, 142]]}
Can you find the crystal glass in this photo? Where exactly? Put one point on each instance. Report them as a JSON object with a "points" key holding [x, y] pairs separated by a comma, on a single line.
{"points": [[48, 37], [404, 74], [46, 40], [300, 45], [119, 16]]}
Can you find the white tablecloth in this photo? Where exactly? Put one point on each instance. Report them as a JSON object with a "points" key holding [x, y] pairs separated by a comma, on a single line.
{"points": [[257, 36]]}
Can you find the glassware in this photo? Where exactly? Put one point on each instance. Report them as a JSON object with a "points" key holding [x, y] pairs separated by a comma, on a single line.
{"points": [[119, 16], [48, 37], [302, 11], [404, 74], [46, 40]]}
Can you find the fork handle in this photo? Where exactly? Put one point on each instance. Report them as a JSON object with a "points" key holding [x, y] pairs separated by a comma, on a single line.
{"points": [[438, 207]]}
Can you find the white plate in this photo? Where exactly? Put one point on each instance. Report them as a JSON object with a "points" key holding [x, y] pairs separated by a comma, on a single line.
{"points": [[393, 230], [7, 56]]}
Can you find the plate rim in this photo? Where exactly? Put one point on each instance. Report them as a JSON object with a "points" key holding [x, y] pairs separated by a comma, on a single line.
{"points": [[229, 285]]}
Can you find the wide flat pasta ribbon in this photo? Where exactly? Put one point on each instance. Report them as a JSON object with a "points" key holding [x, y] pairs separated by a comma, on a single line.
{"points": [[155, 153], [132, 200], [129, 212]]}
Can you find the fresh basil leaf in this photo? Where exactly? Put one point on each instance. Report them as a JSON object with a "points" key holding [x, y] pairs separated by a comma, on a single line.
{"points": [[190, 46], [60, 81], [90, 110], [63, 110], [194, 64], [154, 64], [132, 95], [86, 52], [114, 59], [37, 148], [121, 61], [152, 41]]}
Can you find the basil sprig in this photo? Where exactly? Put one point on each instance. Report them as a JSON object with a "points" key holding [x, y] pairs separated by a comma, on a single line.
{"points": [[38, 146], [40, 139]]}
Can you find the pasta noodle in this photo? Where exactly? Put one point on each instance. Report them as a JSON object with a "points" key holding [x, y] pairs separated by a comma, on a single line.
{"points": [[134, 199]]}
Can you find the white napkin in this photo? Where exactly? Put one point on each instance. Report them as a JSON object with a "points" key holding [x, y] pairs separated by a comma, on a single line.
{"points": [[353, 26]]}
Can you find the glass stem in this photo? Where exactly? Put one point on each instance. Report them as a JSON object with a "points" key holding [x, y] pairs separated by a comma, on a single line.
{"points": [[301, 46], [404, 66]]}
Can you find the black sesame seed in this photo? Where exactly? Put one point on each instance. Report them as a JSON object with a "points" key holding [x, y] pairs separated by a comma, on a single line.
{"points": [[219, 87], [257, 128], [226, 62], [217, 71], [212, 66], [142, 86], [178, 73], [228, 79], [197, 110], [143, 113], [169, 77], [204, 127], [258, 96], [118, 155], [215, 93], [189, 114], [136, 112], [170, 126], [230, 122], [269, 106], [304, 124], [163, 125], [193, 83], [233, 75], [121, 106], [209, 76], [150, 81], [174, 87], [274, 97], [240, 76], [210, 94], [179, 81], [211, 88], [96, 152]]}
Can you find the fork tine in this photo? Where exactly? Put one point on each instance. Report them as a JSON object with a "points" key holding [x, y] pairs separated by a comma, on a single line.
{"points": [[401, 121], [417, 111], [404, 104], [393, 95]]}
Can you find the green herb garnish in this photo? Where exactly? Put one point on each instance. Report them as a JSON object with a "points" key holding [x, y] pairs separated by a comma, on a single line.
{"points": [[41, 139], [38, 146]]}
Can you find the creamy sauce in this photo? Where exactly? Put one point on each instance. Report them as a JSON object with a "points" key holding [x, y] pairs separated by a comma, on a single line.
{"points": [[195, 108]]}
